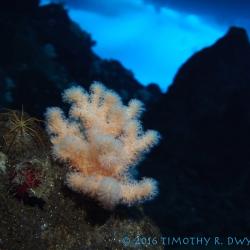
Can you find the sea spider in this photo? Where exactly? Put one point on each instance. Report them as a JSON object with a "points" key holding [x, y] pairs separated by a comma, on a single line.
{"points": [[20, 132]]}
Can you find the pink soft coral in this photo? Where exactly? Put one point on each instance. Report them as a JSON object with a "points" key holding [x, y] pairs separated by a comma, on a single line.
{"points": [[102, 140]]}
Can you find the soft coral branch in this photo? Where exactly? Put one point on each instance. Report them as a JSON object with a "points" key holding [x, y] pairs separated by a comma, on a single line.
{"points": [[102, 139]]}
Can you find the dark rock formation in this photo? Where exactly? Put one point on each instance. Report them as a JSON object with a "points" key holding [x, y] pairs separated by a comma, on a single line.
{"points": [[42, 52], [203, 162]]}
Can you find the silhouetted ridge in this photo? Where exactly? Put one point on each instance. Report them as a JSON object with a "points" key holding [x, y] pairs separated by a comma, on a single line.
{"points": [[43, 52], [224, 63], [204, 157], [235, 37]]}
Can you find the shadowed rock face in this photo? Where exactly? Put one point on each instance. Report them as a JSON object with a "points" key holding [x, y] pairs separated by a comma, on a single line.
{"points": [[208, 108], [43, 52], [204, 158], [20, 6]]}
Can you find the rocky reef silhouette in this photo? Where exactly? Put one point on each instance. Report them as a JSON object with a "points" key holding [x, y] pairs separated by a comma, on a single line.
{"points": [[203, 160], [43, 51]]}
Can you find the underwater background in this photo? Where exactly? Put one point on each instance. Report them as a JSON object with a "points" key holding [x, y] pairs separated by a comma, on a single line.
{"points": [[202, 163]]}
